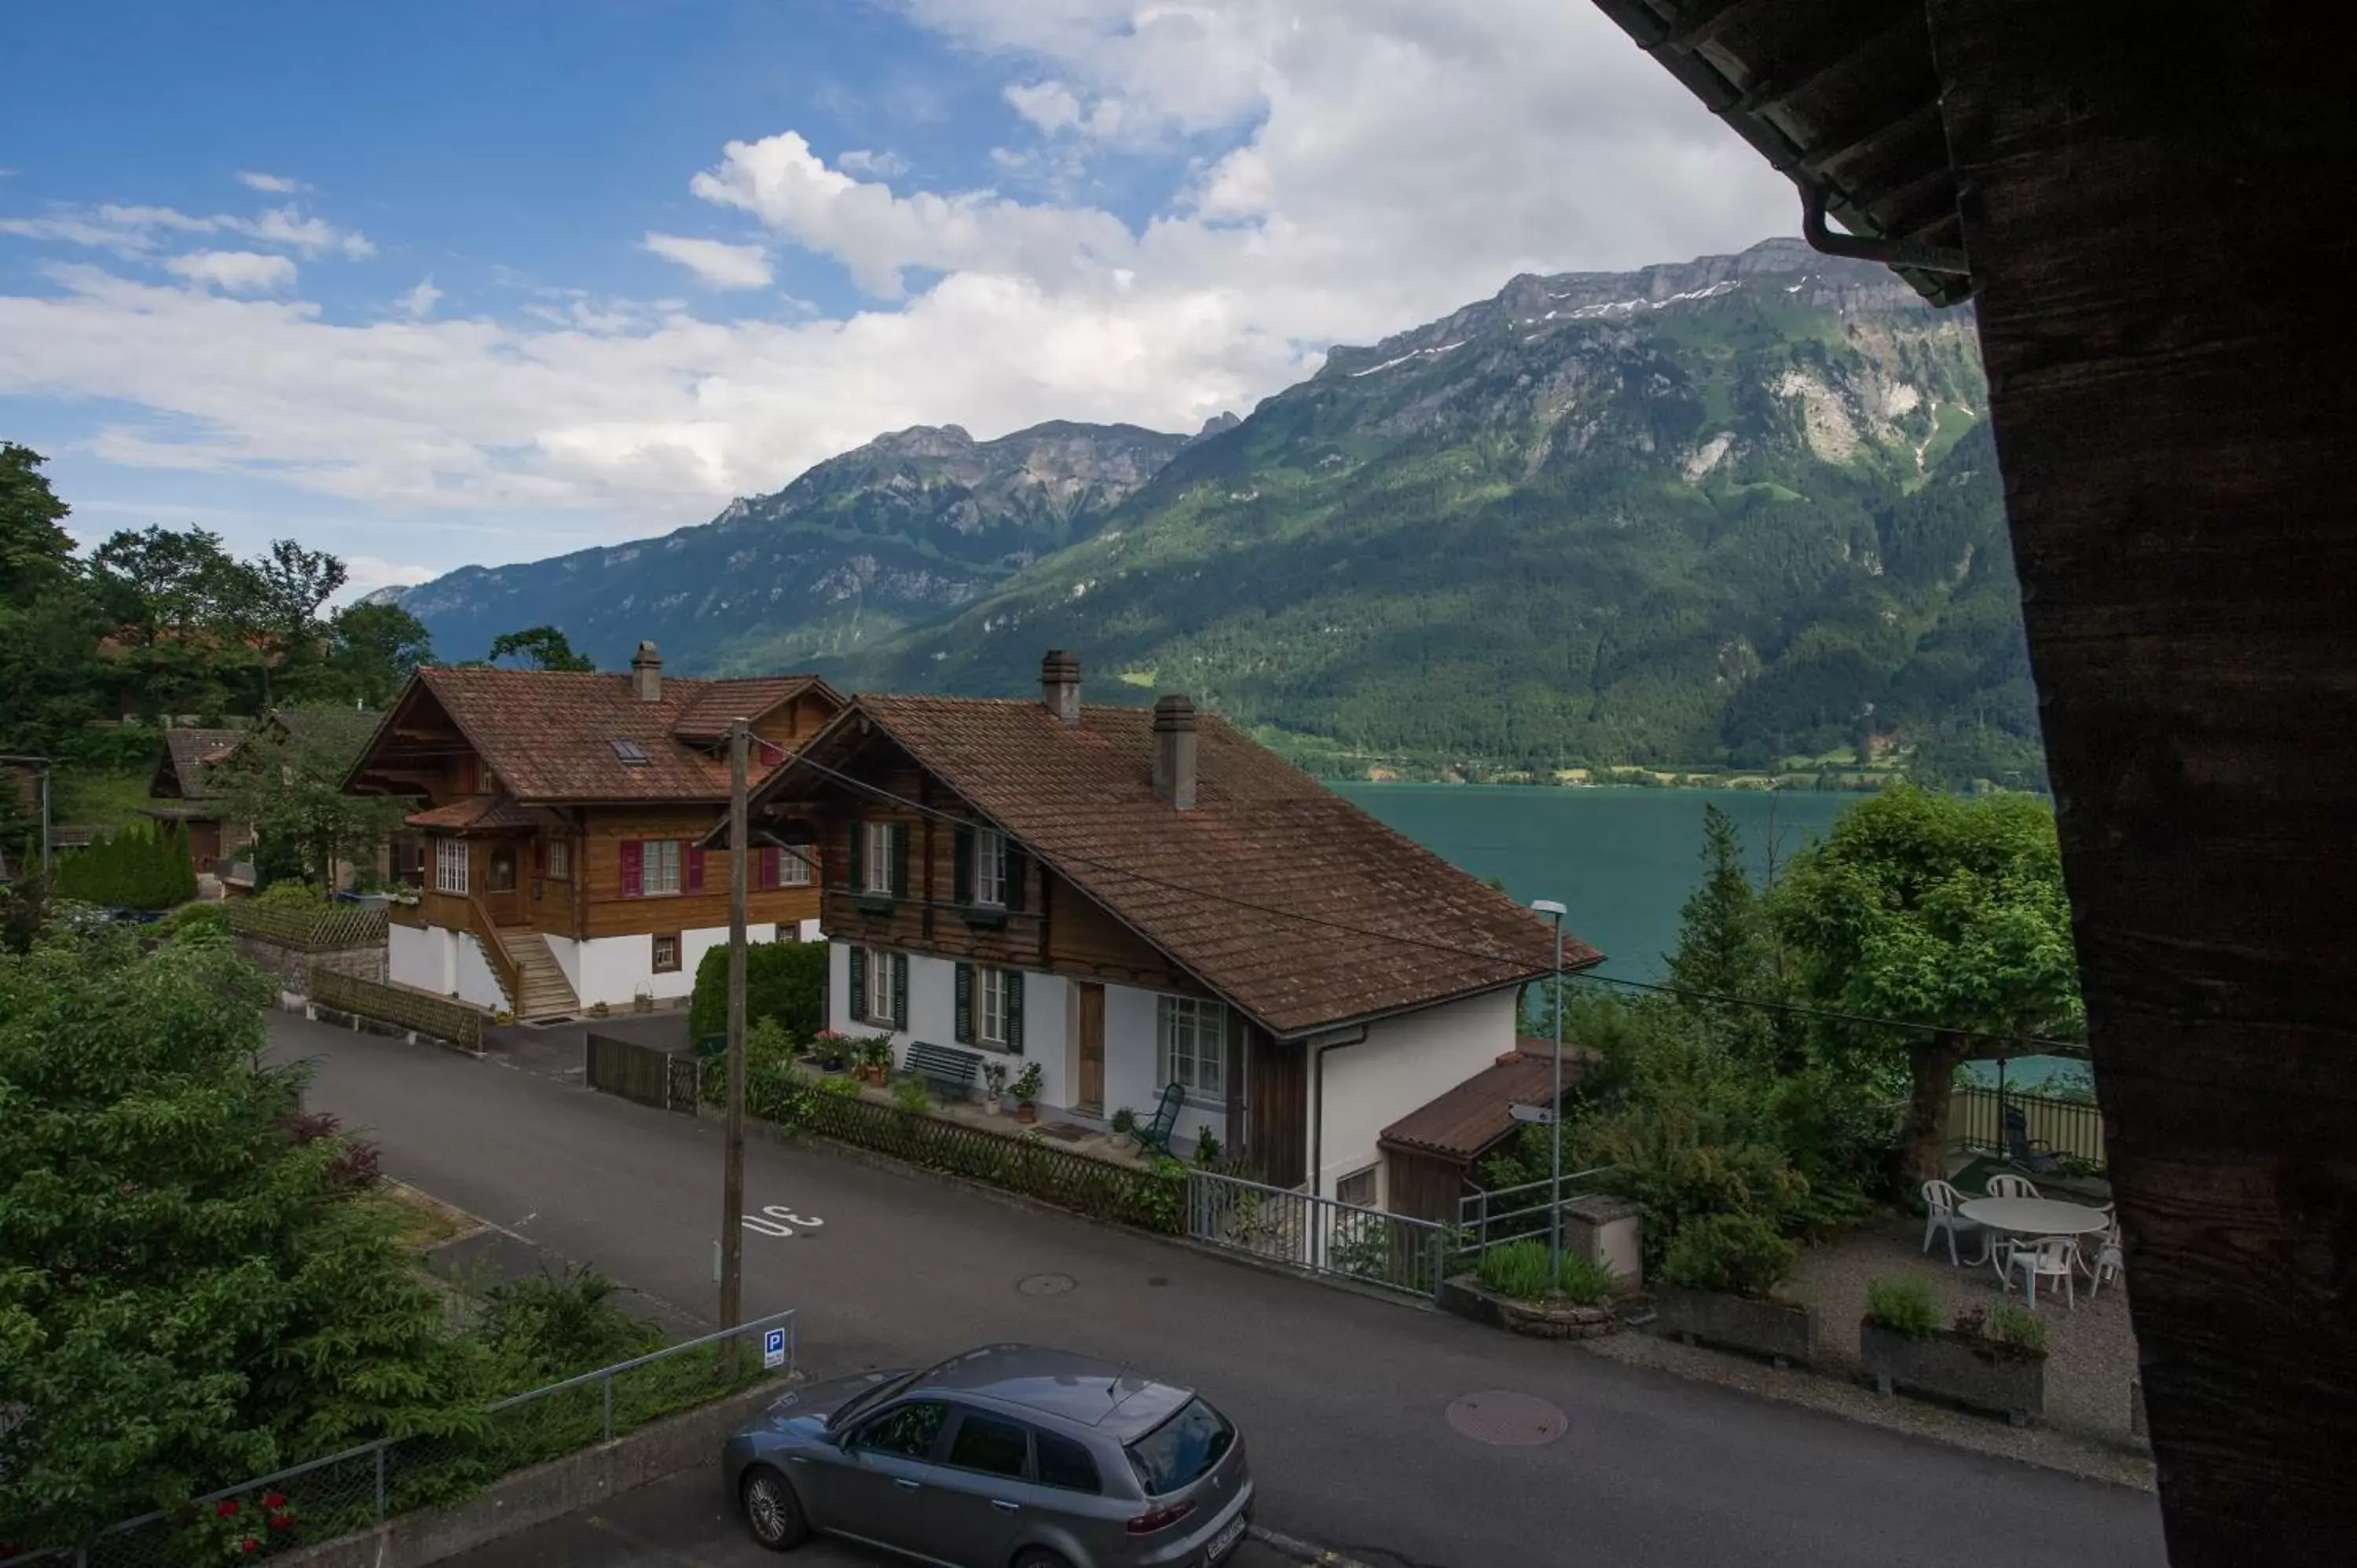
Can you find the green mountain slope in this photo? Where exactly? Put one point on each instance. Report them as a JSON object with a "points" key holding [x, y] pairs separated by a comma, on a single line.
{"points": [[1717, 512]]}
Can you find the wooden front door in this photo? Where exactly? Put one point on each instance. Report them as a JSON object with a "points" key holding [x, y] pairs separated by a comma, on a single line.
{"points": [[501, 899], [1090, 1098]]}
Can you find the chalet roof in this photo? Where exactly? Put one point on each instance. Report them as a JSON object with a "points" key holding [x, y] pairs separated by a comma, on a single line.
{"points": [[1843, 96], [1275, 892], [190, 755], [1464, 1122], [550, 734], [485, 813], [326, 724]]}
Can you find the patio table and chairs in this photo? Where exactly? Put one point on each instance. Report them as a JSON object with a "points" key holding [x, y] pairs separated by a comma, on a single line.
{"points": [[2047, 1232]]}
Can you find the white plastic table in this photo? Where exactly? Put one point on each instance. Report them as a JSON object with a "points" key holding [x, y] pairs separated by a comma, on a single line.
{"points": [[2032, 1216]]}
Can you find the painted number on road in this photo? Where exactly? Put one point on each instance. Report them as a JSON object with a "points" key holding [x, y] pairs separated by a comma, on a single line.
{"points": [[776, 1220]]}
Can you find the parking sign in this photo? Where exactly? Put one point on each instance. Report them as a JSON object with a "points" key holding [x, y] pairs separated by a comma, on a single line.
{"points": [[773, 1348]]}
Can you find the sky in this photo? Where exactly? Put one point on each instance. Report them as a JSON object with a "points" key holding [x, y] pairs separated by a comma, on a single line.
{"points": [[447, 281]]}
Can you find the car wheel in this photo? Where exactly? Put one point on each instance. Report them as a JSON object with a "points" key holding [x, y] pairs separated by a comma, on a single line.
{"points": [[772, 1512]]}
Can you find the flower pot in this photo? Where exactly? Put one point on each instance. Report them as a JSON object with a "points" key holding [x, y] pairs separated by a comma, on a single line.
{"points": [[873, 1075], [1782, 1333], [1957, 1368], [1027, 1113], [643, 1005], [1464, 1295]]}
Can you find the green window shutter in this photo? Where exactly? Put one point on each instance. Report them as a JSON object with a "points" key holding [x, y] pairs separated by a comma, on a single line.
{"points": [[965, 1004], [1018, 867], [851, 859], [900, 860], [858, 978], [900, 962], [962, 879], [1015, 1011]]}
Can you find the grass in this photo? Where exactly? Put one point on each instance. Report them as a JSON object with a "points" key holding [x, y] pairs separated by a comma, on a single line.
{"points": [[99, 797], [423, 1220]]}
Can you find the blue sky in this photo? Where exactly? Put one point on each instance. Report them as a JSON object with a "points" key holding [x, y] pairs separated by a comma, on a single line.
{"points": [[445, 281]]}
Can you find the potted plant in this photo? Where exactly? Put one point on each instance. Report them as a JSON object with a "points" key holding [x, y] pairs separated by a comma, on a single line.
{"points": [[503, 1017], [1722, 1274], [833, 1050], [994, 1084], [1515, 1287], [642, 999], [1124, 1120], [1027, 1093], [1986, 1360], [599, 1010], [876, 1060]]}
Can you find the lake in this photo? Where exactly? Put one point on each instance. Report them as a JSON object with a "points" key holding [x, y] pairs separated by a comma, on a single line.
{"points": [[1621, 859]]}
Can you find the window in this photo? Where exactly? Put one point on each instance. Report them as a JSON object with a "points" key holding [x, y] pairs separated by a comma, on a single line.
{"points": [[1358, 1188], [906, 1430], [989, 867], [989, 1007], [1066, 1464], [993, 1446], [556, 857], [630, 753], [780, 867], [1182, 1450], [450, 865], [503, 870], [877, 863], [658, 867], [990, 1025], [879, 987], [666, 960], [1195, 1048]]}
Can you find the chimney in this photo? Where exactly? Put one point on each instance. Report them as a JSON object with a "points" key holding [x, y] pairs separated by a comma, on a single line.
{"points": [[1174, 752], [646, 673], [1059, 684]]}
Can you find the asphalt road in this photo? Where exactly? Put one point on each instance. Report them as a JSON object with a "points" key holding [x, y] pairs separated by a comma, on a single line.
{"points": [[1342, 1397]]}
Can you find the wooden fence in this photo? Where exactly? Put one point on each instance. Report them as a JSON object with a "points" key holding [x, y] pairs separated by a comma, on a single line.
{"points": [[2070, 1127], [315, 930], [443, 1019], [648, 1074]]}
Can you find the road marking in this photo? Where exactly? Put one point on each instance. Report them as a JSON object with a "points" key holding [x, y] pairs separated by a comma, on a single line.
{"points": [[776, 1220], [1309, 1556], [643, 1544]]}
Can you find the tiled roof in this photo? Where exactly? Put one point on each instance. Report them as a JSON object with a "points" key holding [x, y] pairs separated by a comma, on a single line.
{"points": [[484, 813], [706, 718], [191, 754], [1463, 1122], [1274, 891], [548, 733]]}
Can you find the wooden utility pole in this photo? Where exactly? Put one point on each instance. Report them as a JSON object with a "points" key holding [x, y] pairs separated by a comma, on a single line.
{"points": [[732, 1229]]}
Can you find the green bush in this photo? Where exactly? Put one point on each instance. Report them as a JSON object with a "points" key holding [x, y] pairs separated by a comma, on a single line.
{"points": [[1516, 1270], [1585, 1282], [547, 1326], [1902, 1305], [910, 1095], [136, 868], [784, 982], [292, 895], [197, 922], [1740, 1254], [2016, 1330]]}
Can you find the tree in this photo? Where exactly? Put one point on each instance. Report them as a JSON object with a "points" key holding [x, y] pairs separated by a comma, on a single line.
{"points": [[373, 648], [49, 624], [1726, 949], [193, 1289], [172, 600], [1946, 915], [287, 779], [290, 583], [540, 647], [36, 554], [139, 868]]}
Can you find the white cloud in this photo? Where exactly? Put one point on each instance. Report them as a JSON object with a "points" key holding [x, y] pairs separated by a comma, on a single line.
{"points": [[420, 301], [239, 271], [366, 574], [720, 265], [135, 230], [276, 184], [881, 164], [1358, 166]]}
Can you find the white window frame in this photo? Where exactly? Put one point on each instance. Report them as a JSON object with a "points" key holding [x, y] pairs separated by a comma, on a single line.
{"points": [[451, 866], [793, 868], [879, 986], [1191, 1035], [875, 875], [659, 868], [1372, 1176], [989, 869], [990, 1006], [678, 940], [560, 858]]}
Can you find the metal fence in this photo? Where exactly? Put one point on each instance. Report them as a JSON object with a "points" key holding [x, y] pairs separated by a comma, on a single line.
{"points": [[363, 1487], [1317, 1235], [2073, 1128], [648, 1074], [1492, 1217]]}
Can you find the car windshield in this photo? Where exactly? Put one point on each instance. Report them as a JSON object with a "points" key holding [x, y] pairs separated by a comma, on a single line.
{"points": [[1182, 1450], [853, 1407]]}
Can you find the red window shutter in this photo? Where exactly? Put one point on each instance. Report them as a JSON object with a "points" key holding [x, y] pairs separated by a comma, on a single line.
{"points": [[540, 857], [694, 869], [634, 862], [769, 866]]}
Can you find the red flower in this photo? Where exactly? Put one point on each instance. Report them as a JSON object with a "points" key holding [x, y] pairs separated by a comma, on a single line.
{"points": [[249, 1544], [225, 1508], [282, 1521], [274, 1500]]}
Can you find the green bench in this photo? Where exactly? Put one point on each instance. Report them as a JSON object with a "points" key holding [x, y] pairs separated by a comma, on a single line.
{"points": [[952, 1073]]}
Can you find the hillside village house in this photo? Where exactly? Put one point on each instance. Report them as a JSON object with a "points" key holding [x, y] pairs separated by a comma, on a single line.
{"points": [[182, 791], [561, 817], [1132, 898]]}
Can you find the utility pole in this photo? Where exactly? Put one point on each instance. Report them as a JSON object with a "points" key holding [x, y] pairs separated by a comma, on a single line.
{"points": [[732, 1229], [1556, 912]]}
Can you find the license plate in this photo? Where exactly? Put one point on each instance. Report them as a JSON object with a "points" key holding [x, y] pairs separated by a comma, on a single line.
{"points": [[1225, 1542]]}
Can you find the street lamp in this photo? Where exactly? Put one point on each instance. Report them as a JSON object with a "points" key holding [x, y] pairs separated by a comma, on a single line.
{"points": [[1556, 912]]}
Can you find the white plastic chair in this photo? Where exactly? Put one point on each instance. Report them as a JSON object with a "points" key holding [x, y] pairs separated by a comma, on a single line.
{"points": [[1940, 1202], [2047, 1258], [2111, 1258], [2005, 1185]]}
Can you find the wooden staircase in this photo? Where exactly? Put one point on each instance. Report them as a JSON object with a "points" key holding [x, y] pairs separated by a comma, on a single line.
{"points": [[540, 990]]}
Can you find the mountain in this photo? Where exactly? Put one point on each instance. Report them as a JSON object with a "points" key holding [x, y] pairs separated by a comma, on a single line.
{"points": [[907, 527], [1725, 512]]}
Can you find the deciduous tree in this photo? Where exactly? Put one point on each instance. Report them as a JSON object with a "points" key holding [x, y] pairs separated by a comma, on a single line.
{"points": [[540, 647]]}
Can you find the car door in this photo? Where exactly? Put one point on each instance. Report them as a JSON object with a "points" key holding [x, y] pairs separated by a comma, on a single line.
{"points": [[981, 1489], [878, 1492]]}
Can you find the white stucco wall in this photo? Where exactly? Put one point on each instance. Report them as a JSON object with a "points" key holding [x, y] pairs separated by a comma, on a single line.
{"points": [[1403, 1063], [567, 951], [475, 980], [419, 956], [611, 968], [1133, 1075], [932, 1017]]}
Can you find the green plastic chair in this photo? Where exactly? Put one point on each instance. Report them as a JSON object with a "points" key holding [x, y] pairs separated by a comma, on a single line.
{"points": [[1154, 1136]]}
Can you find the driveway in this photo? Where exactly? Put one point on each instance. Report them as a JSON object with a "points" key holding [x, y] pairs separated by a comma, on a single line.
{"points": [[1345, 1398]]}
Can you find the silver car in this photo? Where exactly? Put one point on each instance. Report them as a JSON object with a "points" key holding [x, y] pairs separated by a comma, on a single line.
{"points": [[1007, 1456]]}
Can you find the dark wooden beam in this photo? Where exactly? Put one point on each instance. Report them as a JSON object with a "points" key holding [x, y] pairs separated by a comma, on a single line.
{"points": [[2159, 213]]}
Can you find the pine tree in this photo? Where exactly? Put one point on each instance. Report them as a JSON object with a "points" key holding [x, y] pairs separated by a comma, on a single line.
{"points": [[1726, 949]]}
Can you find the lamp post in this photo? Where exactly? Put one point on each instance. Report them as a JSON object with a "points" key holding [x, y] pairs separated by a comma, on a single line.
{"points": [[1556, 912]]}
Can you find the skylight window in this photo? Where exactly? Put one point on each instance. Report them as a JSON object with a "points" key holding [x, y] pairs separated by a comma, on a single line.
{"points": [[632, 754]]}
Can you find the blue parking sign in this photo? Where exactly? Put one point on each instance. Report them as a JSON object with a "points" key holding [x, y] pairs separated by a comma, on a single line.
{"points": [[773, 1348]]}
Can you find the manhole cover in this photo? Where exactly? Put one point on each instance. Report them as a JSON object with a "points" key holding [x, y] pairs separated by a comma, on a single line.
{"points": [[1157, 1280], [1507, 1420], [1044, 1285]]}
